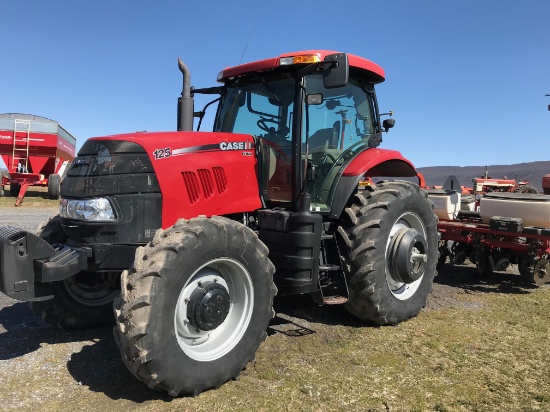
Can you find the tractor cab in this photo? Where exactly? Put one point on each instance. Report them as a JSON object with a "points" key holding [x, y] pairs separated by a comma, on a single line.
{"points": [[309, 112]]}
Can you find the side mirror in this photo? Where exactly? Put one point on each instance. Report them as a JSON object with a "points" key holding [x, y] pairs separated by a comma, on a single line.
{"points": [[335, 70], [388, 124], [314, 99]]}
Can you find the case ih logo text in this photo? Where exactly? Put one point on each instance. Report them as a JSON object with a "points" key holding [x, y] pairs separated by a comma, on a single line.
{"points": [[236, 145]]}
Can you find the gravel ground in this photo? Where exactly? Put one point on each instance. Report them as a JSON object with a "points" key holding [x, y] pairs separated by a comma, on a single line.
{"points": [[25, 218], [42, 368]]}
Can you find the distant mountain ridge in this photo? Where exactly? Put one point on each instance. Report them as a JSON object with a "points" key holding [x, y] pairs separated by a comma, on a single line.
{"points": [[532, 171]]}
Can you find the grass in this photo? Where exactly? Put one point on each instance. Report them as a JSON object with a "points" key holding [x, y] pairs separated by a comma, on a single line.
{"points": [[36, 196], [492, 358], [487, 351]]}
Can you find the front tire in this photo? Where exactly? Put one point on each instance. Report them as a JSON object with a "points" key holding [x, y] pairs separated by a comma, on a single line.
{"points": [[82, 301], [391, 239], [195, 305]]}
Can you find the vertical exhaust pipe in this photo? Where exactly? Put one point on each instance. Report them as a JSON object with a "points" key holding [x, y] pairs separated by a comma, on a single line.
{"points": [[185, 102]]}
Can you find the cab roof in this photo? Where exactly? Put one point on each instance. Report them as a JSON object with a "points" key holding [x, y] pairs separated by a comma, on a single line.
{"points": [[272, 63]]}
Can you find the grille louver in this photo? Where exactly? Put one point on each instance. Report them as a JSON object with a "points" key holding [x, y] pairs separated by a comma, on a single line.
{"points": [[206, 182], [220, 178], [192, 185]]}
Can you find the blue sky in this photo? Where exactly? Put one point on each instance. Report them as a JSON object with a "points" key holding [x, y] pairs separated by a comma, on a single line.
{"points": [[466, 79]]}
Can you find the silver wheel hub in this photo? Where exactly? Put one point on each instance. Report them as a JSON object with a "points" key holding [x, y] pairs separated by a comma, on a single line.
{"points": [[208, 305], [406, 255], [214, 309]]}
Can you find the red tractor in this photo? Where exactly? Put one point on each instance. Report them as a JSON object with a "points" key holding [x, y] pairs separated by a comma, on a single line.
{"points": [[486, 184], [206, 227]]}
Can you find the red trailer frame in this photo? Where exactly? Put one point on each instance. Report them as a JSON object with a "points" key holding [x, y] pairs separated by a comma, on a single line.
{"points": [[35, 150]]}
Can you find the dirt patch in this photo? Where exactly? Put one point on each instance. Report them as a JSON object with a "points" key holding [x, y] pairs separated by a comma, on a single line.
{"points": [[459, 286]]}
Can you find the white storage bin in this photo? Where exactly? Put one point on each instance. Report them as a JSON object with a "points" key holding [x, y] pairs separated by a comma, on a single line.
{"points": [[446, 203], [533, 209]]}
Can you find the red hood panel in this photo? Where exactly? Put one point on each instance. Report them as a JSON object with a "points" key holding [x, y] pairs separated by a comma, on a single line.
{"points": [[201, 173]]}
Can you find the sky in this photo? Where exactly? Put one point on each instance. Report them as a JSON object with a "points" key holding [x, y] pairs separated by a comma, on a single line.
{"points": [[466, 79]]}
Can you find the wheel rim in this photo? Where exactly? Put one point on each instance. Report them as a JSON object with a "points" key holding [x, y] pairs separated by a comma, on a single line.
{"points": [[400, 290], [100, 291], [207, 344]]}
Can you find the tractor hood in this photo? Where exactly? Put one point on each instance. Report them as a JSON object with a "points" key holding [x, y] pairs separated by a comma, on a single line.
{"points": [[199, 173]]}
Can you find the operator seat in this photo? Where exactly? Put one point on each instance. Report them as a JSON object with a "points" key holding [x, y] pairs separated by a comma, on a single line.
{"points": [[325, 137]]}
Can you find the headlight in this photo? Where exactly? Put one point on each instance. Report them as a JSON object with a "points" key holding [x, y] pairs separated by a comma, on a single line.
{"points": [[95, 210]]}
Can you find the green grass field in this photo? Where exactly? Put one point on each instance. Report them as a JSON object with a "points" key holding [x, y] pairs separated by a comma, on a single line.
{"points": [[36, 196]]}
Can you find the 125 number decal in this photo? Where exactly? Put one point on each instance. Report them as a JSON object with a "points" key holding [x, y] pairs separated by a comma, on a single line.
{"points": [[162, 153]]}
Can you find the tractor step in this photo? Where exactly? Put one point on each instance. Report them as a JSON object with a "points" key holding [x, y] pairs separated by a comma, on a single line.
{"points": [[329, 268], [334, 300], [333, 289]]}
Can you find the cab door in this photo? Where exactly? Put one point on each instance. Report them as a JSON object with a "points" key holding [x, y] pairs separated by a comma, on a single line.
{"points": [[334, 130]]}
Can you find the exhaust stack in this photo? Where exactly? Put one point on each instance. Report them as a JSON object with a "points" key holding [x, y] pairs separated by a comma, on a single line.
{"points": [[185, 102]]}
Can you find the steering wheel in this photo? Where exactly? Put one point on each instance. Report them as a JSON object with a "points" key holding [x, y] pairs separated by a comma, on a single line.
{"points": [[262, 124]]}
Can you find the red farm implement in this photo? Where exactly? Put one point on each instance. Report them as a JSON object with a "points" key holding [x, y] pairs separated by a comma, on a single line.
{"points": [[36, 152], [507, 228]]}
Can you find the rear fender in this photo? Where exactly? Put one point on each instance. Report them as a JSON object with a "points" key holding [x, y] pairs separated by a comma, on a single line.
{"points": [[370, 163]]}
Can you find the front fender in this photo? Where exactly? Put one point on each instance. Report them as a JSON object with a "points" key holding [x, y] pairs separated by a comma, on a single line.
{"points": [[370, 163], [380, 162]]}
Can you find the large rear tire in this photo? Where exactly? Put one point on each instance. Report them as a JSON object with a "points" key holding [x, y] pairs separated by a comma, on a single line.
{"points": [[82, 301], [387, 234], [195, 305]]}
